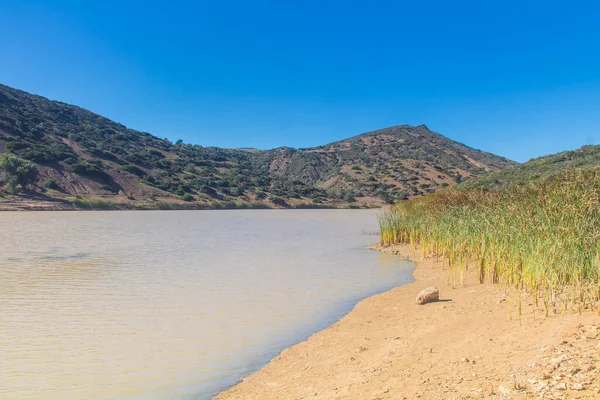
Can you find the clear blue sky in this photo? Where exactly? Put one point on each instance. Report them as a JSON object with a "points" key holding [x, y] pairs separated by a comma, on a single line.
{"points": [[517, 78]]}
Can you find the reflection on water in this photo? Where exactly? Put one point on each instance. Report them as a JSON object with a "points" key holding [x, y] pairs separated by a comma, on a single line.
{"points": [[172, 305], [47, 255]]}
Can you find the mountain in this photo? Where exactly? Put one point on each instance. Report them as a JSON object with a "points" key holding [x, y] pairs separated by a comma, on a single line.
{"points": [[82, 156], [393, 163], [537, 169]]}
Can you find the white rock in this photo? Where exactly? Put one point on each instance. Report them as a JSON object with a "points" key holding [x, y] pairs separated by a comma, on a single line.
{"points": [[577, 386]]}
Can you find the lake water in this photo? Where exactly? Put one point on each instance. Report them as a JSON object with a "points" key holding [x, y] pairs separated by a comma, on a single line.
{"points": [[173, 304]]}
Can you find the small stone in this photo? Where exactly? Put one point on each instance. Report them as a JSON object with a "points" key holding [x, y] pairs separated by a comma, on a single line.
{"points": [[464, 359], [428, 295], [577, 386], [537, 388], [561, 386], [504, 390]]}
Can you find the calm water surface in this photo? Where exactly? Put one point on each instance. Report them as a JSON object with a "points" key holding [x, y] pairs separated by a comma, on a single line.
{"points": [[174, 304]]}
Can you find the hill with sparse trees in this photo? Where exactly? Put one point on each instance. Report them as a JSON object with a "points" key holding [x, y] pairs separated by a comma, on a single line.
{"points": [[83, 159]]}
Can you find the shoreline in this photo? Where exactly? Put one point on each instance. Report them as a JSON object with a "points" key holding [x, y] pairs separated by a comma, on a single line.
{"points": [[468, 345], [34, 201], [24, 206]]}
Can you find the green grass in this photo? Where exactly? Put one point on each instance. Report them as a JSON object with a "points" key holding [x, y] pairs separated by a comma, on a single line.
{"points": [[89, 204], [543, 238]]}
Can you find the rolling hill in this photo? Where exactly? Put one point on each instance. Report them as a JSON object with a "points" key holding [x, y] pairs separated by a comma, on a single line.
{"points": [[536, 169], [82, 156]]}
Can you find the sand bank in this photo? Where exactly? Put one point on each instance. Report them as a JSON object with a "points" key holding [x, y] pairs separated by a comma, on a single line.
{"points": [[466, 346]]}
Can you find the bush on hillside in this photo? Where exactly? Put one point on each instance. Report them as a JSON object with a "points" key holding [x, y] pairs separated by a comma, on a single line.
{"points": [[15, 172]]}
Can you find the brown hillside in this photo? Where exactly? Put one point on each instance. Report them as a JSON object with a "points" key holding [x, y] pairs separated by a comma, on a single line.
{"points": [[84, 156]]}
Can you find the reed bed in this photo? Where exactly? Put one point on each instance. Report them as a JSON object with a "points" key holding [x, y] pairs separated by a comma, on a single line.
{"points": [[543, 238]]}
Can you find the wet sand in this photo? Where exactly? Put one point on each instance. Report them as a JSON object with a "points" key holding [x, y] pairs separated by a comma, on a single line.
{"points": [[467, 346]]}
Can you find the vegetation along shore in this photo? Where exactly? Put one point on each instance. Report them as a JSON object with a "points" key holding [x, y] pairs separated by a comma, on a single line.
{"points": [[517, 264], [541, 238]]}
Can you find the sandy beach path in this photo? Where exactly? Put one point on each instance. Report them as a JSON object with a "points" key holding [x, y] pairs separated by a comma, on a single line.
{"points": [[463, 347]]}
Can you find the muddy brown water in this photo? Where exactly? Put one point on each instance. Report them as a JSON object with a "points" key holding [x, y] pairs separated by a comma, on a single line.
{"points": [[173, 304]]}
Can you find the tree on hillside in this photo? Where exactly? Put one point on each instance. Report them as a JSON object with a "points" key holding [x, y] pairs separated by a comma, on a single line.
{"points": [[15, 172], [348, 196]]}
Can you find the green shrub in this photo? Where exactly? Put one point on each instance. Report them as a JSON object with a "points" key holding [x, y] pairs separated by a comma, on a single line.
{"points": [[107, 188], [134, 170], [187, 197], [51, 184], [15, 172], [208, 190], [348, 196], [278, 201], [86, 169]]}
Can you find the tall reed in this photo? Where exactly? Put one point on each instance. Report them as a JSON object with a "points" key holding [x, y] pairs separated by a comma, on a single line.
{"points": [[542, 238]]}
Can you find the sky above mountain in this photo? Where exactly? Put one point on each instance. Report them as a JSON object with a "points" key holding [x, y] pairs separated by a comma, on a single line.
{"points": [[519, 79]]}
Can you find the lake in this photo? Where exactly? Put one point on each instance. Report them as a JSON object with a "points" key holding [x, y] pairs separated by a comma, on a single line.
{"points": [[173, 304]]}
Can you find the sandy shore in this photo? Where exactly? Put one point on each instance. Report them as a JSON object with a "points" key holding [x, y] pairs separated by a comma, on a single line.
{"points": [[463, 347]]}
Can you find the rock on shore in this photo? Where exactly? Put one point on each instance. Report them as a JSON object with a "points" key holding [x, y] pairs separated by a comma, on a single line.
{"points": [[428, 295]]}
